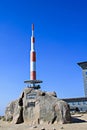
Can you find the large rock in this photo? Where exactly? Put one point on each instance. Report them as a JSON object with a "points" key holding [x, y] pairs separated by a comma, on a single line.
{"points": [[10, 110], [35, 106], [18, 113], [14, 111]]}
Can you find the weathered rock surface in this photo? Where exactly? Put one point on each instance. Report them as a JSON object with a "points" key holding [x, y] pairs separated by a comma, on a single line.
{"points": [[36, 107], [10, 110]]}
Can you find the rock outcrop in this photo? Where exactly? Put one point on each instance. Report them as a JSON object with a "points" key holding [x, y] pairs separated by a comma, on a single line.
{"points": [[36, 107], [10, 110]]}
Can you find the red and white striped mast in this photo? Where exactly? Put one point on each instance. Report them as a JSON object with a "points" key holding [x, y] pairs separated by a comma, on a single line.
{"points": [[32, 57], [33, 80]]}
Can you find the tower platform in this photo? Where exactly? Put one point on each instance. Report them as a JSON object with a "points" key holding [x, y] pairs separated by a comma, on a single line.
{"points": [[33, 83]]}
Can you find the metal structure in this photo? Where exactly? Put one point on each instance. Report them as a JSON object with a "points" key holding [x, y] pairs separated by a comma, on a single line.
{"points": [[33, 80], [83, 65], [32, 57]]}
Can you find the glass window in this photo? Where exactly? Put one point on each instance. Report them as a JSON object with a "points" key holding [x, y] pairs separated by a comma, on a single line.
{"points": [[73, 103], [79, 103], [84, 102]]}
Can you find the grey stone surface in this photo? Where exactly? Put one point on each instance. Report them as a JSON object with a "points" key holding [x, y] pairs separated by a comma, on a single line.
{"points": [[18, 116], [10, 110], [36, 107]]}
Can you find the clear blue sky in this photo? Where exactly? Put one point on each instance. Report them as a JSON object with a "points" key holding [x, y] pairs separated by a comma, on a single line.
{"points": [[61, 42]]}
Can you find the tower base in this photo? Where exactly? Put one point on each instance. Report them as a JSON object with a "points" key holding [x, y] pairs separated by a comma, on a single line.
{"points": [[33, 83]]}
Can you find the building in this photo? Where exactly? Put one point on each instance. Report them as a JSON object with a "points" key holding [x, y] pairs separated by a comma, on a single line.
{"points": [[80, 103], [77, 104], [83, 65]]}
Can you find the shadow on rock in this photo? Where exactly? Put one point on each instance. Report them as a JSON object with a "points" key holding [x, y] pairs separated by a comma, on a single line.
{"points": [[76, 120]]}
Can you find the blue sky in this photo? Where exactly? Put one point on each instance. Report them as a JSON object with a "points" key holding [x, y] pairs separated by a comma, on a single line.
{"points": [[61, 42]]}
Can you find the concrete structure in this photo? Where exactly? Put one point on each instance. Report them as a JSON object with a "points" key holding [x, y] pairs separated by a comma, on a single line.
{"points": [[33, 80], [83, 65], [77, 104]]}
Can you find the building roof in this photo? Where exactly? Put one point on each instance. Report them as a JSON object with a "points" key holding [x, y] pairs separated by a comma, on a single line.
{"points": [[75, 99], [83, 65]]}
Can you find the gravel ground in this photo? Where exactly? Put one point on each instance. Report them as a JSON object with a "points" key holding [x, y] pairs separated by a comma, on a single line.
{"points": [[79, 123]]}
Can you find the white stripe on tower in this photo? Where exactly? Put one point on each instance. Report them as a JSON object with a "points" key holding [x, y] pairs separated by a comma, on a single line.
{"points": [[32, 57]]}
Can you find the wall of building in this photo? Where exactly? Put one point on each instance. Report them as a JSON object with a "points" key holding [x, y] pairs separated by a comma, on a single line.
{"points": [[85, 81], [77, 104]]}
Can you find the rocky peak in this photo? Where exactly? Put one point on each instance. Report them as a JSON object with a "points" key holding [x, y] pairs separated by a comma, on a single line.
{"points": [[35, 106]]}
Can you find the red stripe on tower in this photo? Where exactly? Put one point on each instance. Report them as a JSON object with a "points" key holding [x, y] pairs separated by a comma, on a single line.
{"points": [[32, 57], [33, 75], [33, 40]]}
